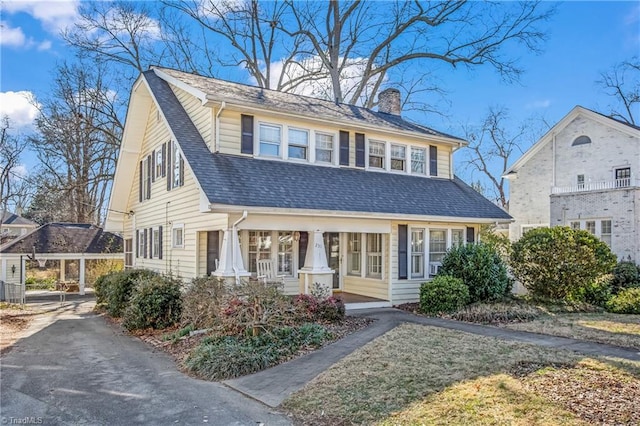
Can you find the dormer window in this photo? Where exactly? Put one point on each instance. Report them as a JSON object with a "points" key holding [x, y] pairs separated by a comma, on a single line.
{"points": [[581, 140], [376, 155], [270, 137], [298, 143], [398, 157], [324, 148]]}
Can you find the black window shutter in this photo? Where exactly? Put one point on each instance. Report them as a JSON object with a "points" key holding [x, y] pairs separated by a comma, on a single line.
{"points": [[164, 159], [247, 134], [402, 252], [433, 160], [137, 243], [181, 170], [144, 244], [471, 237], [359, 149], [149, 171], [344, 148], [140, 183], [150, 243], [153, 166], [302, 248], [160, 242], [169, 163]]}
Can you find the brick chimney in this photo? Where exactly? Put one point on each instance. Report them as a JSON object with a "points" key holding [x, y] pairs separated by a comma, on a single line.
{"points": [[389, 101]]}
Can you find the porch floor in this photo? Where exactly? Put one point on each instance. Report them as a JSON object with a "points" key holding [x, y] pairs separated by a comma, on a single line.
{"points": [[358, 301]]}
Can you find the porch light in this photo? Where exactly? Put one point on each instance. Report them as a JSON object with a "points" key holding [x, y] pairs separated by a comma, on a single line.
{"points": [[13, 270], [296, 236]]}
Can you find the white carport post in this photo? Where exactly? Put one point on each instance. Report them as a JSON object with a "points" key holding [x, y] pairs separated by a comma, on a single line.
{"points": [[62, 270], [81, 277]]}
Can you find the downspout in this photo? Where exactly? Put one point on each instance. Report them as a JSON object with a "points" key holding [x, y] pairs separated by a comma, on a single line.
{"points": [[216, 148], [234, 236]]}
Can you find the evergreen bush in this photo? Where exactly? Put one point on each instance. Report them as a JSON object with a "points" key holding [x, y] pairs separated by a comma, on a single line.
{"points": [[443, 294]]}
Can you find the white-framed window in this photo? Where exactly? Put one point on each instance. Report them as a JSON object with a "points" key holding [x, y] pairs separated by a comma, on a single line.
{"points": [[324, 148], [417, 253], [140, 243], [590, 225], [374, 255], [575, 225], [178, 168], [376, 154], [354, 253], [457, 237], [128, 253], [159, 163], [580, 181], [146, 178], [605, 231], [259, 248], [437, 248], [155, 239], [418, 160], [270, 139], [285, 253], [177, 236], [298, 143], [398, 157]]}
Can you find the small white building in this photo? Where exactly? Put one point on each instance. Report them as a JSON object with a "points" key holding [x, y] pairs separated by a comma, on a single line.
{"points": [[584, 173], [13, 226]]}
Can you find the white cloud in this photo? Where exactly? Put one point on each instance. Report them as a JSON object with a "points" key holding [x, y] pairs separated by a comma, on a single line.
{"points": [[11, 36], [55, 15], [543, 103], [19, 107], [44, 45]]}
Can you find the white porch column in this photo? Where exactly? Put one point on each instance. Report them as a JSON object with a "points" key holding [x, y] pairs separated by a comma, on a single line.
{"points": [[316, 269], [230, 263], [62, 270], [81, 277]]}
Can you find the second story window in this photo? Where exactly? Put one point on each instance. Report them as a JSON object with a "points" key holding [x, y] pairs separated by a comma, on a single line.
{"points": [[376, 155], [324, 148], [398, 157], [623, 177], [298, 143], [270, 137], [418, 156], [178, 168], [580, 181]]}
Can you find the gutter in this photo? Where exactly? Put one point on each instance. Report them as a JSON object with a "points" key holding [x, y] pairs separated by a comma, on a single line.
{"points": [[234, 237], [216, 147]]}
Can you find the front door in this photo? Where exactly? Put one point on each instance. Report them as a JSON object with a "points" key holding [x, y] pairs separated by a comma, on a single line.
{"points": [[332, 248]]}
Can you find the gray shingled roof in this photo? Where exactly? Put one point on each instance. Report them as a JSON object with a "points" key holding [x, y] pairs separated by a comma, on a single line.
{"points": [[13, 219], [245, 181], [66, 238], [273, 100]]}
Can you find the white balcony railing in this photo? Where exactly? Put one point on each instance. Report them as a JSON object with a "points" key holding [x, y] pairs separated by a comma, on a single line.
{"points": [[594, 186]]}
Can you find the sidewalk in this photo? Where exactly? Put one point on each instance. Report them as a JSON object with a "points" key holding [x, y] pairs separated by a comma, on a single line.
{"points": [[274, 385]]}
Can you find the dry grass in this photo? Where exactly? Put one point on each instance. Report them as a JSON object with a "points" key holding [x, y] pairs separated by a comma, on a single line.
{"points": [[13, 320], [612, 329], [424, 375]]}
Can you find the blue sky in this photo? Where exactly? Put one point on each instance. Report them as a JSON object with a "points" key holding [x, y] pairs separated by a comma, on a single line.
{"points": [[584, 39]]}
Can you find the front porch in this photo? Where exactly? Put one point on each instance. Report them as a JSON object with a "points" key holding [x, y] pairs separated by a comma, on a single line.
{"points": [[358, 301]]}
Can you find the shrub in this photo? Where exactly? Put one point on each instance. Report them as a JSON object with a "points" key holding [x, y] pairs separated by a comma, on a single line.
{"points": [[481, 269], [308, 307], [597, 292], [225, 357], [202, 302], [559, 262], [625, 302], [443, 294], [155, 303], [331, 309], [626, 274], [496, 313], [113, 290]]}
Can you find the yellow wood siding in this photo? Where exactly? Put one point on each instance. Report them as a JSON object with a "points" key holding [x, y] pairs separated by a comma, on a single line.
{"points": [[230, 132], [180, 206], [202, 117], [366, 286]]}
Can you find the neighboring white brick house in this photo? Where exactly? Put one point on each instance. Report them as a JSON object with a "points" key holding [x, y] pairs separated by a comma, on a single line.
{"points": [[584, 173]]}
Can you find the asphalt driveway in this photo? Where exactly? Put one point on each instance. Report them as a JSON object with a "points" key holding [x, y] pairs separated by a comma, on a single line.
{"points": [[77, 369]]}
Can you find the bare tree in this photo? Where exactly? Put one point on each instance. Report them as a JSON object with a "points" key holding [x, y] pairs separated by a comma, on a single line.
{"points": [[622, 82], [13, 188], [492, 145], [78, 138]]}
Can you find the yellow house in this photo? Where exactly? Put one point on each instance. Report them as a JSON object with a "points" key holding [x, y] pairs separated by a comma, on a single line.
{"points": [[213, 176]]}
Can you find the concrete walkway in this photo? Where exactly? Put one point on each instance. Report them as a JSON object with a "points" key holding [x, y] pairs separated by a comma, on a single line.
{"points": [[274, 385]]}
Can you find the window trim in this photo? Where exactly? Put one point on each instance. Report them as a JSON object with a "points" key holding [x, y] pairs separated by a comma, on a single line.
{"points": [[159, 163], [155, 243], [424, 160], [317, 133], [383, 157], [307, 147], [397, 158], [380, 254], [424, 254], [260, 142], [350, 271], [174, 228]]}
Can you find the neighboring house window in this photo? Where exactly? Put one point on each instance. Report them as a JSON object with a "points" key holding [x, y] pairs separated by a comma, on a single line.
{"points": [[623, 177], [580, 181], [259, 248], [418, 156], [437, 249], [575, 225], [417, 253], [398, 157], [457, 237], [354, 251], [581, 140], [376, 154], [178, 168], [298, 143], [374, 255], [177, 236], [285, 253], [23, 231], [159, 163], [590, 225], [155, 239], [605, 232], [128, 253], [324, 148], [270, 137]]}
